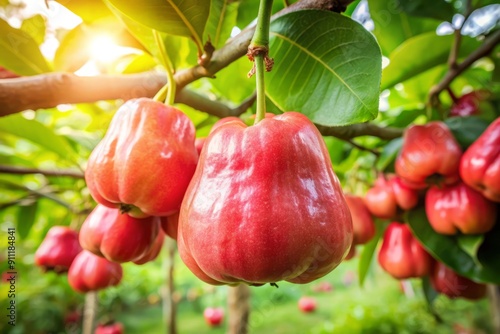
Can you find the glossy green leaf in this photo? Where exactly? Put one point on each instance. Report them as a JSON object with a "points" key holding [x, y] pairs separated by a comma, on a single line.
{"points": [[38, 133], [73, 51], [327, 67], [177, 17], [366, 256], [393, 26], [466, 129], [389, 153], [436, 9], [351, 7], [88, 10], [181, 51], [448, 250], [136, 64], [415, 56], [20, 52], [25, 218], [470, 244], [35, 27], [222, 20]]}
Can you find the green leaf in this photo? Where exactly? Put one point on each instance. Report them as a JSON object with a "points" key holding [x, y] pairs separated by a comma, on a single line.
{"points": [[328, 69], [470, 244], [136, 63], [180, 50], [448, 250], [177, 17], [389, 153], [222, 19], [37, 133], [466, 129], [20, 52], [70, 55], [393, 26], [88, 10], [414, 56], [35, 27], [429, 293], [351, 7], [436, 9], [366, 256], [25, 219]]}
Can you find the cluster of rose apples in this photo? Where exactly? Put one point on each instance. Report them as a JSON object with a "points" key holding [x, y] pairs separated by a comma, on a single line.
{"points": [[460, 191], [218, 197]]}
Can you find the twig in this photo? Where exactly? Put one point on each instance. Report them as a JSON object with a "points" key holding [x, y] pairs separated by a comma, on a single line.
{"points": [[485, 48], [21, 170], [362, 148]]}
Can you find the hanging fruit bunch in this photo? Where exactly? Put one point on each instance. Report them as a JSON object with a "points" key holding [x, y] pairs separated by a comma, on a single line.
{"points": [[458, 192]]}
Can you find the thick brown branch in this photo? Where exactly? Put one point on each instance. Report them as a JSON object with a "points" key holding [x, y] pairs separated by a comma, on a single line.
{"points": [[51, 89], [21, 170], [453, 72]]}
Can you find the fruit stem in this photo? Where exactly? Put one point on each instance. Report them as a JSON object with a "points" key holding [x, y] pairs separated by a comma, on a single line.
{"points": [[167, 92], [261, 89], [258, 53]]}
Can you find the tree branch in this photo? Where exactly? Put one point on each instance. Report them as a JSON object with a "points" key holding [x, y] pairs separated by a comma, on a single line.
{"points": [[52, 89], [453, 72], [21, 170]]}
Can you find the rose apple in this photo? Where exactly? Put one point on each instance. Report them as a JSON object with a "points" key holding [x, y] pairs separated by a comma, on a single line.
{"points": [[401, 255], [113, 328], [480, 164], [362, 222], [430, 154], [213, 316], [58, 250], [117, 236], [198, 143], [307, 304], [446, 281], [388, 195], [233, 228], [152, 254], [145, 161], [170, 225], [459, 208], [468, 104], [351, 254], [90, 272]]}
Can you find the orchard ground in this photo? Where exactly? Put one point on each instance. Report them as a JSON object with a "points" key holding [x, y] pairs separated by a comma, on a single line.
{"points": [[379, 307]]}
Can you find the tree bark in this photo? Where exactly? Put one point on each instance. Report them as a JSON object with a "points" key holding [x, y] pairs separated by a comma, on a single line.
{"points": [[169, 308], [89, 312], [494, 297], [239, 309]]}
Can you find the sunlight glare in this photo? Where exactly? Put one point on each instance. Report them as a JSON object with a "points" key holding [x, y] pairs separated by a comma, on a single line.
{"points": [[103, 49]]}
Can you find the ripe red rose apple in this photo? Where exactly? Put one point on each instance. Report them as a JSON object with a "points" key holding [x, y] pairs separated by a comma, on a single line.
{"points": [[446, 281], [58, 250], [307, 304], [213, 316], [362, 222], [113, 328]]}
